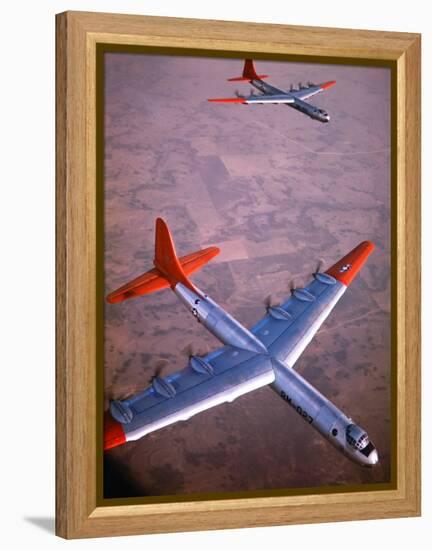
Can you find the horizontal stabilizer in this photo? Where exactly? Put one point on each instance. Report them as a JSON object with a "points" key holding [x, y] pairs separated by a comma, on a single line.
{"points": [[168, 270], [249, 73], [194, 261], [148, 282], [245, 79]]}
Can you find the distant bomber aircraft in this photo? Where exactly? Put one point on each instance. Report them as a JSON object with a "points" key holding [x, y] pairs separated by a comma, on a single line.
{"points": [[271, 95], [249, 358]]}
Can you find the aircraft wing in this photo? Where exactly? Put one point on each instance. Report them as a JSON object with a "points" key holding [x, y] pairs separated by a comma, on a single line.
{"points": [[257, 99], [270, 98], [218, 377], [229, 372], [288, 328], [309, 91]]}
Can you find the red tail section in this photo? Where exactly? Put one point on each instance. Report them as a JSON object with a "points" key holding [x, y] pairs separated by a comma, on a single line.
{"points": [[165, 260], [169, 269], [249, 73]]}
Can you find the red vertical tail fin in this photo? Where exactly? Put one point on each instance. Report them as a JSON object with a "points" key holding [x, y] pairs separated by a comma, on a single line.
{"points": [[166, 260], [169, 269], [249, 73]]}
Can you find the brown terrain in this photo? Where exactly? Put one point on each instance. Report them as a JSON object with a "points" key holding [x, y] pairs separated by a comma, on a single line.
{"points": [[275, 191]]}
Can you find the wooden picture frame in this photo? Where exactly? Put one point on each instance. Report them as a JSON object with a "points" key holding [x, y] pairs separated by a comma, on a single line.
{"points": [[79, 512]]}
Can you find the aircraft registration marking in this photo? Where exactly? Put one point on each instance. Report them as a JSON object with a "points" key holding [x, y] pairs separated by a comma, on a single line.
{"points": [[297, 408]]}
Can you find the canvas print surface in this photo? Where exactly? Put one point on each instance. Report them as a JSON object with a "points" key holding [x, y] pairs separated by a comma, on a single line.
{"points": [[284, 191]]}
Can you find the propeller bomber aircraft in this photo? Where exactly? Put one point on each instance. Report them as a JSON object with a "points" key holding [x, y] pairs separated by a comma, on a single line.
{"points": [[251, 358], [269, 95]]}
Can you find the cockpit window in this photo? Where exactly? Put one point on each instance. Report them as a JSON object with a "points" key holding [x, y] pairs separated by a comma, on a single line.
{"points": [[368, 449], [357, 437]]}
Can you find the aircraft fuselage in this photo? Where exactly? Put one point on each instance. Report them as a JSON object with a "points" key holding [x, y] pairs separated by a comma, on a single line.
{"points": [[220, 323], [323, 415], [298, 104]]}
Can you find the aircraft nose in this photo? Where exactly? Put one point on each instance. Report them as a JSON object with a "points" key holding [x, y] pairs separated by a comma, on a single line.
{"points": [[373, 458]]}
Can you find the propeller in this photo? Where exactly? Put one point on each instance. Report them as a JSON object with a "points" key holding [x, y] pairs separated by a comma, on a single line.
{"points": [[159, 368], [292, 285], [191, 350], [300, 85], [115, 393], [269, 302], [238, 94], [319, 266], [291, 88]]}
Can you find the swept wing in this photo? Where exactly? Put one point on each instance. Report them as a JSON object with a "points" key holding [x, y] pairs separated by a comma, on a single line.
{"points": [[216, 378], [287, 329], [309, 91], [229, 372]]}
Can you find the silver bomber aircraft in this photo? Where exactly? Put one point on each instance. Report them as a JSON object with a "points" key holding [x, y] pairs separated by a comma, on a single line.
{"points": [[251, 358], [269, 95]]}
